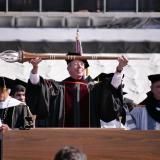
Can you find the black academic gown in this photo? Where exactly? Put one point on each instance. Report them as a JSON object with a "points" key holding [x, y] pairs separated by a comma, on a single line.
{"points": [[151, 103], [16, 117], [47, 101]]}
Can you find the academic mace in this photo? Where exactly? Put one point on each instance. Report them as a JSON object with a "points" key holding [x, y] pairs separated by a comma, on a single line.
{"points": [[22, 56]]}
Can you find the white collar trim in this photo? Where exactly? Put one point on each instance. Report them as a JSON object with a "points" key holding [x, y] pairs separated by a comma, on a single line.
{"points": [[10, 102]]}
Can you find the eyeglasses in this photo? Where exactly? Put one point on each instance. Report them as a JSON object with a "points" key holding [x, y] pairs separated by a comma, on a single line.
{"points": [[77, 64]]}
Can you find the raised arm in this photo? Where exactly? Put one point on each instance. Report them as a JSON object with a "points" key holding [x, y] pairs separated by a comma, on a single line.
{"points": [[117, 78], [34, 76]]}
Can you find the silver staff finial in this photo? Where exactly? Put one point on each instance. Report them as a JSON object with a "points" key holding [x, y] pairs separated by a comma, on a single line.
{"points": [[10, 56]]}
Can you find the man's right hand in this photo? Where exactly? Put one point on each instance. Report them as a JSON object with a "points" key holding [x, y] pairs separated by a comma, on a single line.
{"points": [[4, 127], [35, 63]]}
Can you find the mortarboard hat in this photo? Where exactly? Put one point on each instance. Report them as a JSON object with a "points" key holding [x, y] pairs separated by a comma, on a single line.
{"points": [[154, 78], [18, 85], [6, 82], [104, 76], [10, 83], [124, 93], [86, 64]]}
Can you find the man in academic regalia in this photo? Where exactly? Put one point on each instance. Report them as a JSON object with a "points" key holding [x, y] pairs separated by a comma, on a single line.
{"points": [[77, 101], [19, 92], [13, 113], [147, 116]]}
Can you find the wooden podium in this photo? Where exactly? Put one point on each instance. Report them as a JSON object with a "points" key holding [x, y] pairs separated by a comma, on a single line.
{"points": [[98, 144]]}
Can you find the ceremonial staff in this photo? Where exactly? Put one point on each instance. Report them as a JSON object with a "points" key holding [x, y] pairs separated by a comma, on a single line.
{"points": [[22, 56]]}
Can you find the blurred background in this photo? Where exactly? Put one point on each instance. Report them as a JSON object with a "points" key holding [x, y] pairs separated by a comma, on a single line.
{"points": [[77, 5]]}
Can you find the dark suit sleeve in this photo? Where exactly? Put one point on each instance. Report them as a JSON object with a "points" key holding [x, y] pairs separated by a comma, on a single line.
{"points": [[22, 117], [108, 101], [38, 96]]}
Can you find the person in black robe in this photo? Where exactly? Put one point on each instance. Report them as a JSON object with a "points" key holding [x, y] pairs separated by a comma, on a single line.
{"points": [[13, 113], [147, 115], [77, 101]]}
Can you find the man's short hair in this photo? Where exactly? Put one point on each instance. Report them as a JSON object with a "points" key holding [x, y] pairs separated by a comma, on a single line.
{"points": [[18, 88], [70, 153]]}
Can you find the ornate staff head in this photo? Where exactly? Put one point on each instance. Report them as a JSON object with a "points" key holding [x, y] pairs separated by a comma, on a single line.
{"points": [[11, 56]]}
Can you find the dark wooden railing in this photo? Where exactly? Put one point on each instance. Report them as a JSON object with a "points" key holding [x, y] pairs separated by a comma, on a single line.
{"points": [[98, 144]]}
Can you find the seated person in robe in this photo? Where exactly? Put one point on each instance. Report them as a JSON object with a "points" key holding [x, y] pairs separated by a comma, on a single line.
{"points": [[13, 113], [147, 115]]}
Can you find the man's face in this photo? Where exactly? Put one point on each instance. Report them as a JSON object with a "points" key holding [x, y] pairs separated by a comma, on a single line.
{"points": [[3, 94], [155, 88], [76, 69], [20, 96]]}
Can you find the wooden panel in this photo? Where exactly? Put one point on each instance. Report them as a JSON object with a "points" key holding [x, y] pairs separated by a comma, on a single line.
{"points": [[0, 145], [98, 144]]}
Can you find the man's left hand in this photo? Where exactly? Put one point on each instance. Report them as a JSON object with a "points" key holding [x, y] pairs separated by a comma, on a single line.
{"points": [[123, 61]]}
